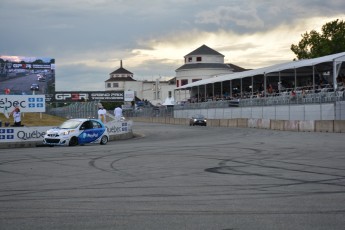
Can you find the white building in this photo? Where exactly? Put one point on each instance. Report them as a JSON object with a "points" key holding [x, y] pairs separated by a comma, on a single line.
{"points": [[155, 92], [201, 63]]}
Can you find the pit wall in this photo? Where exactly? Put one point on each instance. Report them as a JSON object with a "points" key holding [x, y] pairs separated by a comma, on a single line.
{"points": [[331, 126]]}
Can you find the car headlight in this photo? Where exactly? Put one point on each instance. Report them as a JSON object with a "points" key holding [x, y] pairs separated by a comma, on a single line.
{"points": [[67, 132], [194, 120]]}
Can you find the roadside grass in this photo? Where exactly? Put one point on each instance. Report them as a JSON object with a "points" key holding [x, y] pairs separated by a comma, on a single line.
{"points": [[35, 119]]}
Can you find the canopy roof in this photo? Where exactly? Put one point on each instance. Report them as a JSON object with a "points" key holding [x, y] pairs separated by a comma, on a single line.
{"points": [[325, 63]]}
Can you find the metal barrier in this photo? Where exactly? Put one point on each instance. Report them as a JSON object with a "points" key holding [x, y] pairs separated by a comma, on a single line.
{"points": [[278, 99], [75, 110]]}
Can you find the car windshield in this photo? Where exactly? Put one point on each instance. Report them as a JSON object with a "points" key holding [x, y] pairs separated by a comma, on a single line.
{"points": [[70, 124], [198, 116]]}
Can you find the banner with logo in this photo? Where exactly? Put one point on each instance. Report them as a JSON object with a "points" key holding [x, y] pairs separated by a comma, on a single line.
{"points": [[26, 103], [19, 134], [80, 96]]}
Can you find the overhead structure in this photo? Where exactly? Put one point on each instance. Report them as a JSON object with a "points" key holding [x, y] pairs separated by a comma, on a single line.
{"points": [[331, 63]]}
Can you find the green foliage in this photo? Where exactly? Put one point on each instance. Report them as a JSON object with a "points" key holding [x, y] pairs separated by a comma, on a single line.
{"points": [[331, 40]]}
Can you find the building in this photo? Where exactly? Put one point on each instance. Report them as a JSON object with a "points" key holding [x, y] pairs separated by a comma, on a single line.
{"points": [[155, 91], [202, 63]]}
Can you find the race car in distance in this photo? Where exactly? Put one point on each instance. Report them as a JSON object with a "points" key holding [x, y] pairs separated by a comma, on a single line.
{"points": [[77, 132]]}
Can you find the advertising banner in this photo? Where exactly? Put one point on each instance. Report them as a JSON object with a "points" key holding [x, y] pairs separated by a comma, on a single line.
{"points": [[19, 134], [26, 103], [68, 96], [119, 127], [129, 95]]}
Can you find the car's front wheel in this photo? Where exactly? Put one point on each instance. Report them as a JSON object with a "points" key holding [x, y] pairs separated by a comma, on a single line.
{"points": [[73, 141], [104, 140]]}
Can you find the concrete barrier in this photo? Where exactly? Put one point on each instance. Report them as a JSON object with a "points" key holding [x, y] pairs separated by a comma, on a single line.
{"points": [[252, 123], [324, 126], [277, 125], [291, 126], [306, 126], [184, 121], [232, 123], [213, 122], [339, 126], [224, 123], [242, 122], [264, 123], [295, 125]]}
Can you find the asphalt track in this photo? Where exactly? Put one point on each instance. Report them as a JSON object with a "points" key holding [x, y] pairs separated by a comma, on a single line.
{"points": [[179, 177]]}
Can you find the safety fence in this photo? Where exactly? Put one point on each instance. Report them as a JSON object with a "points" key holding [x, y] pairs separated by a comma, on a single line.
{"points": [[276, 99], [75, 110]]}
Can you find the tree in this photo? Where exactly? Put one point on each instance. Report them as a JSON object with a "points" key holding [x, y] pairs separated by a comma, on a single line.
{"points": [[331, 40]]}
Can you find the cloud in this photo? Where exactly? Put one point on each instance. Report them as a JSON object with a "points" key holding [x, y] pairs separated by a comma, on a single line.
{"points": [[225, 16], [88, 38]]}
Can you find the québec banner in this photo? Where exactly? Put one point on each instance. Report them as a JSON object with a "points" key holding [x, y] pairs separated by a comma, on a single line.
{"points": [[26, 103]]}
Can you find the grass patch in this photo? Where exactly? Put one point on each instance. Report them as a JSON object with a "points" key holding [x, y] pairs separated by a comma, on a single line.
{"points": [[35, 119]]}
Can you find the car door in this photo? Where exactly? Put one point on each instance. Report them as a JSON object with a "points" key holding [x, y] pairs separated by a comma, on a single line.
{"points": [[91, 131]]}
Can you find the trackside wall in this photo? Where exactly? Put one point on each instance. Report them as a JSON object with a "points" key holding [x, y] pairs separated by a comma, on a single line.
{"points": [[283, 125]]}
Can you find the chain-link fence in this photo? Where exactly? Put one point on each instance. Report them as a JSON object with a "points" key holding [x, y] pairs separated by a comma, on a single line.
{"points": [[75, 110], [149, 111]]}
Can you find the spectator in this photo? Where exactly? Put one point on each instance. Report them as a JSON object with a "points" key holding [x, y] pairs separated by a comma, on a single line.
{"points": [[102, 114], [118, 113], [16, 117]]}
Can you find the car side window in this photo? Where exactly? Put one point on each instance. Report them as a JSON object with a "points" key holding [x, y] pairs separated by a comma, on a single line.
{"points": [[86, 125], [96, 125]]}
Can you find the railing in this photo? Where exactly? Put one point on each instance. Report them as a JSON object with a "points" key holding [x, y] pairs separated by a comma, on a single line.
{"points": [[75, 110], [284, 98]]}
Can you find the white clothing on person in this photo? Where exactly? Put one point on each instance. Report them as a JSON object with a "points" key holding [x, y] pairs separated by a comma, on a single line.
{"points": [[118, 113], [101, 114], [16, 117]]}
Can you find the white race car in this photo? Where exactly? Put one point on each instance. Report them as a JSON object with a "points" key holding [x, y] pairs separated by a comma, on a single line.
{"points": [[77, 132]]}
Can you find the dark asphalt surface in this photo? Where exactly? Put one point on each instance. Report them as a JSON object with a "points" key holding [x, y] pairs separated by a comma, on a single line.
{"points": [[179, 177]]}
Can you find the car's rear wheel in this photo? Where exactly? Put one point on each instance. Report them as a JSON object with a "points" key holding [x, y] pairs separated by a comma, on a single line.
{"points": [[104, 140], [73, 141]]}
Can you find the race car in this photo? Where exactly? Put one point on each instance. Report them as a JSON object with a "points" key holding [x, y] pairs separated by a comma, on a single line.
{"points": [[77, 132]]}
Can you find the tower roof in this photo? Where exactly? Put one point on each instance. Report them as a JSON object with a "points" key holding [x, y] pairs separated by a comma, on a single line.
{"points": [[121, 70], [204, 50]]}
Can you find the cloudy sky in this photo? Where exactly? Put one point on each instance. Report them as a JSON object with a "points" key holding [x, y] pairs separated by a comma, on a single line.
{"points": [[88, 38]]}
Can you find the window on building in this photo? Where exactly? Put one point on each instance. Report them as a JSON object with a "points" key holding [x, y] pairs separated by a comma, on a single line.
{"points": [[115, 85], [108, 85], [194, 80], [177, 83], [169, 93], [190, 59], [184, 82], [198, 59]]}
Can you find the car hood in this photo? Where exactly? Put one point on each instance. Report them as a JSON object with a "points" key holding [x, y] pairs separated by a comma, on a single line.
{"points": [[59, 131]]}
